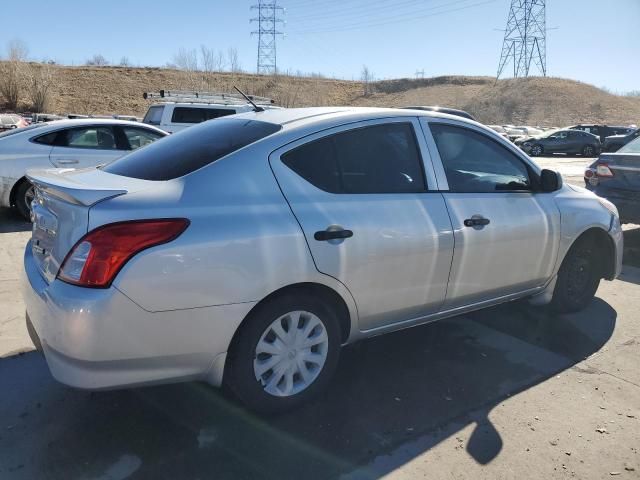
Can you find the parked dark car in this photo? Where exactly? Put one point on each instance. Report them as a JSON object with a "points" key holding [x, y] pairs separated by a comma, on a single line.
{"points": [[561, 141], [447, 110], [616, 177], [602, 131], [616, 142]]}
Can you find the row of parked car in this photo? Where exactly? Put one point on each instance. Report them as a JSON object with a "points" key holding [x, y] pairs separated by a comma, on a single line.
{"points": [[245, 251]]}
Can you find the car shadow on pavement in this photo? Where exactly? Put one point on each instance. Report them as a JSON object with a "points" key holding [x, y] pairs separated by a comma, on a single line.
{"points": [[11, 221], [394, 397]]}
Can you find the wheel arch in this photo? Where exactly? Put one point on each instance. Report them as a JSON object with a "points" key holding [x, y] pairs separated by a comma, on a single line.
{"points": [[602, 240], [14, 190]]}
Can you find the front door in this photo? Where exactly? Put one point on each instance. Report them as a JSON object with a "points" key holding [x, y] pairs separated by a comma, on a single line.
{"points": [[506, 233], [83, 147], [362, 199]]}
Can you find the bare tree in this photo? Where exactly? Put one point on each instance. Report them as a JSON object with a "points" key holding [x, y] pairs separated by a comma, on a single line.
{"points": [[124, 62], [187, 60], [97, 61], [39, 79], [11, 72], [233, 61], [367, 77]]}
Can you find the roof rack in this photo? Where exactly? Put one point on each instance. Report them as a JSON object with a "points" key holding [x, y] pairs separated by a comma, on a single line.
{"points": [[189, 96]]}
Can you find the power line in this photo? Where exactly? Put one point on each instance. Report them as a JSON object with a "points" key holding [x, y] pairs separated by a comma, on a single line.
{"points": [[268, 19], [525, 38], [405, 17]]}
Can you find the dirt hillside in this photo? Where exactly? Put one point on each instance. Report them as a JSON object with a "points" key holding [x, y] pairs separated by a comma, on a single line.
{"points": [[533, 101]]}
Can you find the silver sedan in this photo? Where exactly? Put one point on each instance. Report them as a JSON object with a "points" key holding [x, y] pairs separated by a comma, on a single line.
{"points": [[248, 249], [65, 144]]}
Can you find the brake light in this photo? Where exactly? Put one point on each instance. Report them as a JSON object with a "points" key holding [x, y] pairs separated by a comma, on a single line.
{"points": [[98, 256], [603, 170]]}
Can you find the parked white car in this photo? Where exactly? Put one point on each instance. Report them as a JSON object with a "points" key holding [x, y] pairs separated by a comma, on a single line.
{"points": [[66, 144]]}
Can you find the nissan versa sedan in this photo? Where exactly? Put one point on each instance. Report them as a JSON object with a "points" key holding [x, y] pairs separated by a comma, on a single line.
{"points": [[247, 250], [561, 141], [63, 144]]}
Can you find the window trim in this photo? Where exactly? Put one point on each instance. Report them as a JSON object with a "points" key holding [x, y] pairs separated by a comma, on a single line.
{"points": [[443, 183], [424, 153]]}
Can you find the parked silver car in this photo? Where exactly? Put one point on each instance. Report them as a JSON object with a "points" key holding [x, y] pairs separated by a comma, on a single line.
{"points": [[65, 144], [248, 249]]}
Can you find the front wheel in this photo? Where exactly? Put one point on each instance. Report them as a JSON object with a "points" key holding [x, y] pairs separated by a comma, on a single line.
{"points": [[24, 196], [578, 279], [285, 353], [536, 150]]}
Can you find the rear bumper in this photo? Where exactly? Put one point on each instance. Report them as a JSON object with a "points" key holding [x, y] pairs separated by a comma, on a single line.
{"points": [[100, 339]]}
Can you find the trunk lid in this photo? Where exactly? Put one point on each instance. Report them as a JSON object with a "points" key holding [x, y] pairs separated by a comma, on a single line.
{"points": [[61, 207], [626, 171]]}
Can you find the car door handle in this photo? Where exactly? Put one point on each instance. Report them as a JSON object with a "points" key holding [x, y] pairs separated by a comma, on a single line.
{"points": [[324, 235], [476, 222], [67, 162]]}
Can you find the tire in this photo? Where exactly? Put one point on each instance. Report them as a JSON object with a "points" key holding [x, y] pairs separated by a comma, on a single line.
{"points": [[23, 198], [536, 150], [589, 151], [272, 382], [578, 278]]}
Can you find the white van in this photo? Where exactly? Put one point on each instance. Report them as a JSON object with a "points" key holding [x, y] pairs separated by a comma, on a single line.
{"points": [[188, 108]]}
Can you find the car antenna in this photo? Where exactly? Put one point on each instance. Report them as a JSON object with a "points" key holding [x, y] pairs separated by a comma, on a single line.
{"points": [[256, 108]]}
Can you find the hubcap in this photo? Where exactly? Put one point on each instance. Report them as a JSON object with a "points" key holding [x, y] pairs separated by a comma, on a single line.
{"points": [[291, 353], [536, 150]]}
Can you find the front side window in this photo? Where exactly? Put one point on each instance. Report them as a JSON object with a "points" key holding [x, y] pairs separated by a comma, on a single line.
{"points": [[139, 137], [376, 159], [100, 138], [475, 163]]}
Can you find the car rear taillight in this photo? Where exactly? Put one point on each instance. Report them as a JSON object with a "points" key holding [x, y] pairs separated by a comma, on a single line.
{"points": [[98, 256], [603, 170]]}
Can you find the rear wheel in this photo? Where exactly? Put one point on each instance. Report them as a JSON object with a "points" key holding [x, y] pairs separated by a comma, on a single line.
{"points": [[24, 196], [285, 353], [536, 150], [578, 278], [589, 151]]}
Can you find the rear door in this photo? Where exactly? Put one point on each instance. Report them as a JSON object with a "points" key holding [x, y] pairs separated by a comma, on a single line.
{"points": [[86, 146], [506, 233], [371, 217]]}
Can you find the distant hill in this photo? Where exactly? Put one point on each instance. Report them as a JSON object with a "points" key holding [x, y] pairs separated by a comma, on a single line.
{"points": [[531, 101]]}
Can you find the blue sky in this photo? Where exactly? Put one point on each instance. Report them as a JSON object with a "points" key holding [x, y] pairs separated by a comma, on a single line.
{"points": [[596, 42]]}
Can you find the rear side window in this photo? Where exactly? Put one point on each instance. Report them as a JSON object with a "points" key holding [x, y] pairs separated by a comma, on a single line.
{"points": [[48, 139], [197, 115], [154, 115], [101, 138], [376, 159], [191, 149]]}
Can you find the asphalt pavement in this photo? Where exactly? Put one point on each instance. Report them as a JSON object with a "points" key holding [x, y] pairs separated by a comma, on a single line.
{"points": [[507, 392]]}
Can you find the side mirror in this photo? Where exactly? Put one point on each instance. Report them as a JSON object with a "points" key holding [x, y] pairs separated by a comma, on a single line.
{"points": [[550, 181]]}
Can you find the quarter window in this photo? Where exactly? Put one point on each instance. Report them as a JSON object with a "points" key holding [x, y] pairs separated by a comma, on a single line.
{"points": [[475, 163], [154, 115], [376, 159]]}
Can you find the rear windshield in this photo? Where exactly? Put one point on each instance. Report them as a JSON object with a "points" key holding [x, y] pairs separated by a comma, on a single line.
{"points": [[631, 147], [191, 149], [154, 115]]}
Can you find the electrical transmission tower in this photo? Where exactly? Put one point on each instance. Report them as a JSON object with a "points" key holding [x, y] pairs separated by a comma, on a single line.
{"points": [[268, 19], [525, 38]]}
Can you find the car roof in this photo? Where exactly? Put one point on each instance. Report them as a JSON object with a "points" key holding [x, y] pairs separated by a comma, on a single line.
{"points": [[297, 117]]}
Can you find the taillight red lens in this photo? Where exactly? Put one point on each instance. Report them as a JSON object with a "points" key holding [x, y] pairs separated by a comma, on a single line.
{"points": [[98, 256]]}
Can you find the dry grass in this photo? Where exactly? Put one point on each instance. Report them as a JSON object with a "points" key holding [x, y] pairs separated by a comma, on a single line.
{"points": [[534, 101]]}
